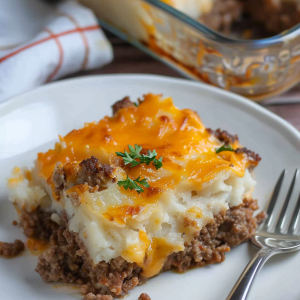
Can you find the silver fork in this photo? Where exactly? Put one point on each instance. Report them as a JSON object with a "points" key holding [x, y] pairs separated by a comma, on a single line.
{"points": [[271, 241]]}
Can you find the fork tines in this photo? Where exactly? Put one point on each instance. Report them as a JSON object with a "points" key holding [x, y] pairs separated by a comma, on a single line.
{"points": [[283, 218]]}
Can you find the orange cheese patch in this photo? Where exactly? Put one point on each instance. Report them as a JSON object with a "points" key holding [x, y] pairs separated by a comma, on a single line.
{"points": [[37, 247], [156, 123], [156, 255], [122, 213], [136, 252]]}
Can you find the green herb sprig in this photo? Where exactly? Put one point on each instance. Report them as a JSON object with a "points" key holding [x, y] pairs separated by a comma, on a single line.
{"points": [[131, 157], [134, 184], [151, 157], [224, 148]]}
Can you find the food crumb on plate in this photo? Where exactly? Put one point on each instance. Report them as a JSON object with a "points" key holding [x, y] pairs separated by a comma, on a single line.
{"points": [[11, 249], [91, 296], [144, 296]]}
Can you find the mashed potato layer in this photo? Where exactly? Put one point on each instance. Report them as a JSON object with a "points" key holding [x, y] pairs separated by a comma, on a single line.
{"points": [[81, 175]]}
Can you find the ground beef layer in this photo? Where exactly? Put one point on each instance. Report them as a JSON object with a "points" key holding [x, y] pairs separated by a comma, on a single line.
{"points": [[68, 261]]}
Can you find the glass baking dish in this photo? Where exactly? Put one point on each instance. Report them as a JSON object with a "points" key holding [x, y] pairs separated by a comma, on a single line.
{"points": [[257, 69]]}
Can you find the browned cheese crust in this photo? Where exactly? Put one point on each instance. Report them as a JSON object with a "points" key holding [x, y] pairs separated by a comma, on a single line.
{"points": [[125, 102], [227, 138], [223, 136]]}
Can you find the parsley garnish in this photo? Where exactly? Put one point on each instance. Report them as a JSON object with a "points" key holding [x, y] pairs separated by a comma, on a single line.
{"points": [[224, 148], [135, 104], [134, 184], [130, 158], [151, 157]]}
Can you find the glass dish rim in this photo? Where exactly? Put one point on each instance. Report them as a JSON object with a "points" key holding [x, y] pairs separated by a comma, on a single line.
{"points": [[218, 37]]}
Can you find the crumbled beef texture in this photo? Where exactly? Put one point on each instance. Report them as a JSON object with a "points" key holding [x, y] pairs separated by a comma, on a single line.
{"points": [[62, 261], [11, 249], [144, 296], [38, 224], [228, 230], [238, 224], [223, 136], [260, 217], [94, 173], [223, 14], [68, 260], [91, 296], [87, 288], [251, 154], [90, 172], [125, 102]]}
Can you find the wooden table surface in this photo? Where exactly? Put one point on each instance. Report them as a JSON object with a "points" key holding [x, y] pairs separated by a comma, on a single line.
{"points": [[131, 60]]}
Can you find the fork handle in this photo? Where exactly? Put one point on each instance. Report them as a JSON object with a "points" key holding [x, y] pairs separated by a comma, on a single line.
{"points": [[241, 289]]}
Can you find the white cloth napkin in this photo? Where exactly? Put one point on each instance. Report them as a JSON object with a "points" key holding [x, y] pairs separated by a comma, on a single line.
{"points": [[40, 42]]}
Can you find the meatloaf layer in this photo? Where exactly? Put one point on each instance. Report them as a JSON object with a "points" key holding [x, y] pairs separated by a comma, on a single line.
{"points": [[68, 261]]}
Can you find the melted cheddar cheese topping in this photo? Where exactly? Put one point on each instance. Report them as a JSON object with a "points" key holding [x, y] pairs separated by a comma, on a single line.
{"points": [[176, 135]]}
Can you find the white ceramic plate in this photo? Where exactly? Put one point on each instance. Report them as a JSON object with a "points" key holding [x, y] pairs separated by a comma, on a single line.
{"points": [[31, 122]]}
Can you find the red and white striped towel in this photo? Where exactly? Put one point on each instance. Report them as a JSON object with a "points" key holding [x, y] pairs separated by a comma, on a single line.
{"points": [[47, 43]]}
